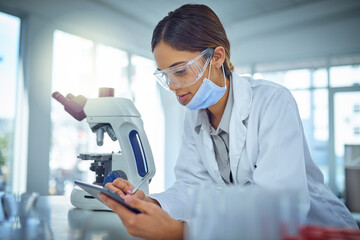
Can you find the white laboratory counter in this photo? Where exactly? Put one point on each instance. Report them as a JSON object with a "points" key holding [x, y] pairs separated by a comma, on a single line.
{"points": [[68, 222]]}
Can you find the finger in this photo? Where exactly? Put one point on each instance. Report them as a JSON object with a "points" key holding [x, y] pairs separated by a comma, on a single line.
{"points": [[119, 209], [108, 201], [138, 203], [115, 189], [128, 218], [122, 184], [139, 194], [70, 96]]}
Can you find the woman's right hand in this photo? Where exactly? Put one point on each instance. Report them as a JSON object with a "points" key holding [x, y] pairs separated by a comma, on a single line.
{"points": [[123, 187]]}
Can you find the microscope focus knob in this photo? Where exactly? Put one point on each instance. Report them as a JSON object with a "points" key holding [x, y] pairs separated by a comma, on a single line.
{"points": [[114, 175], [106, 92], [92, 167], [99, 170]]}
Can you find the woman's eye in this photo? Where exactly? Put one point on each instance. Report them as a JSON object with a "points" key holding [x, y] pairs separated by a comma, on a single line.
{"points": [[180, 72]]}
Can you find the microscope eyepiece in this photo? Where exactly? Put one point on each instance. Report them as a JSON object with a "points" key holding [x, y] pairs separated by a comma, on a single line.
{"points": [[73, 105]]}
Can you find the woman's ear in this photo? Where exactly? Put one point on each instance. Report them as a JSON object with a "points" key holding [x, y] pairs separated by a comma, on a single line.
{"points": [[218, 57]]}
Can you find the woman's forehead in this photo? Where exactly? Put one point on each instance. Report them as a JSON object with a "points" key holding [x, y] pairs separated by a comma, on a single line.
{"points": [[166, 56]]}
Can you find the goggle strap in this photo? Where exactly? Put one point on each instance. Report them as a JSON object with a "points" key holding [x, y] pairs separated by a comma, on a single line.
{"points": [[209, 70]]}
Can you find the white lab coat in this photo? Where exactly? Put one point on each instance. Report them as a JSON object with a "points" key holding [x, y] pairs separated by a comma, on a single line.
{"points": [[267, 148]]}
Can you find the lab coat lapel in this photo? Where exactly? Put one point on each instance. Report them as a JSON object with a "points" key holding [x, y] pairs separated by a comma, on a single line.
{"points": [[240, 112], [206, 148]]}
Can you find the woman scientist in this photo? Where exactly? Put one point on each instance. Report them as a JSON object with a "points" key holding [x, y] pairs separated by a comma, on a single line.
{"points": [[237, 130]]}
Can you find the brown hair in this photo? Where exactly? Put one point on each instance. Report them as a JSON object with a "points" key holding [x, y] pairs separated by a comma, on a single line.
{"points": [[193, 27]]}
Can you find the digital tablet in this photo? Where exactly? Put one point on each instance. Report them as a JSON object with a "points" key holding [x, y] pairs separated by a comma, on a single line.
{"points": [[94, 190]]}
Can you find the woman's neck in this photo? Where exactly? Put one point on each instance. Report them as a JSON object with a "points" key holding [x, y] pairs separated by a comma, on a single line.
{"points": [[216, 111]]}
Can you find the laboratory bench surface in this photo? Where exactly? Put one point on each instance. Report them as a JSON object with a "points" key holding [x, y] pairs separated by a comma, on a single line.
{"points": [[68, 222]]}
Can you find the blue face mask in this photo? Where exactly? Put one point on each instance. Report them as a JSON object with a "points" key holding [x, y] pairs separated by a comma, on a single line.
{"points": [[208, 94]]}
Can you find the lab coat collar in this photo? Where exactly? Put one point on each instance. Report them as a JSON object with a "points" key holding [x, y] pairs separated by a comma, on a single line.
{"points": [[242, 96]]}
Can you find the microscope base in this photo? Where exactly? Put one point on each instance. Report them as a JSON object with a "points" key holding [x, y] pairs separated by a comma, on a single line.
{"points": [[81, 199]]}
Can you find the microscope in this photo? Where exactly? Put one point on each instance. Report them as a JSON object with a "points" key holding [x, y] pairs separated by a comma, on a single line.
{"points": [[119, 118]]}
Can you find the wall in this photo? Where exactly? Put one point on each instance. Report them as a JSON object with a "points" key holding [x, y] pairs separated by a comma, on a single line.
{"points": [[313, 30]]}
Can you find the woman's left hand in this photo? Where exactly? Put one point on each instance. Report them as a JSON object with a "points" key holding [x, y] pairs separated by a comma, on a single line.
{"points": [[151, 223]]}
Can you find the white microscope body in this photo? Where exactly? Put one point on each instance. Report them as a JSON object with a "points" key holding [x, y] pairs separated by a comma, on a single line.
{"points": [[121, 120]]}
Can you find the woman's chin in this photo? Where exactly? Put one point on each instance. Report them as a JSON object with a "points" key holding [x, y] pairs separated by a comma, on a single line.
{"points": [[182, 103]]}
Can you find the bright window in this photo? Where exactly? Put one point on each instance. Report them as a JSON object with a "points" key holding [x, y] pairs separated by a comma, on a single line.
{"points": [[9, 56], [320, 77], [112, 69], [344, 75], [321, 115], [346, 122], [292, 79]]}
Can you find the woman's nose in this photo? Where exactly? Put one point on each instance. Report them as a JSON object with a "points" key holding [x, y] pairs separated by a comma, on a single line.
{"points": [[172, 87]]}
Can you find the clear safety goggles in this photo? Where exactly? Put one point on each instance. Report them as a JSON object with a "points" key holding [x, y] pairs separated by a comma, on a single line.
{"points": [[185, 74]]}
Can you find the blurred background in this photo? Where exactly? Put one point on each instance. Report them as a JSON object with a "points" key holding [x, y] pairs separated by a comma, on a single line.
{"points": [[312, 47]]}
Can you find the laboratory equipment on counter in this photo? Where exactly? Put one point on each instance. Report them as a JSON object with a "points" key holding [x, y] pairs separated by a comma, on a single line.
{"points": [[21, 217], [119, 118], [311, 232], [352, 177]]}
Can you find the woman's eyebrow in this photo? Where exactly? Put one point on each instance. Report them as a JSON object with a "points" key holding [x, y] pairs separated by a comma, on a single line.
{"points": [[174, 64]]}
